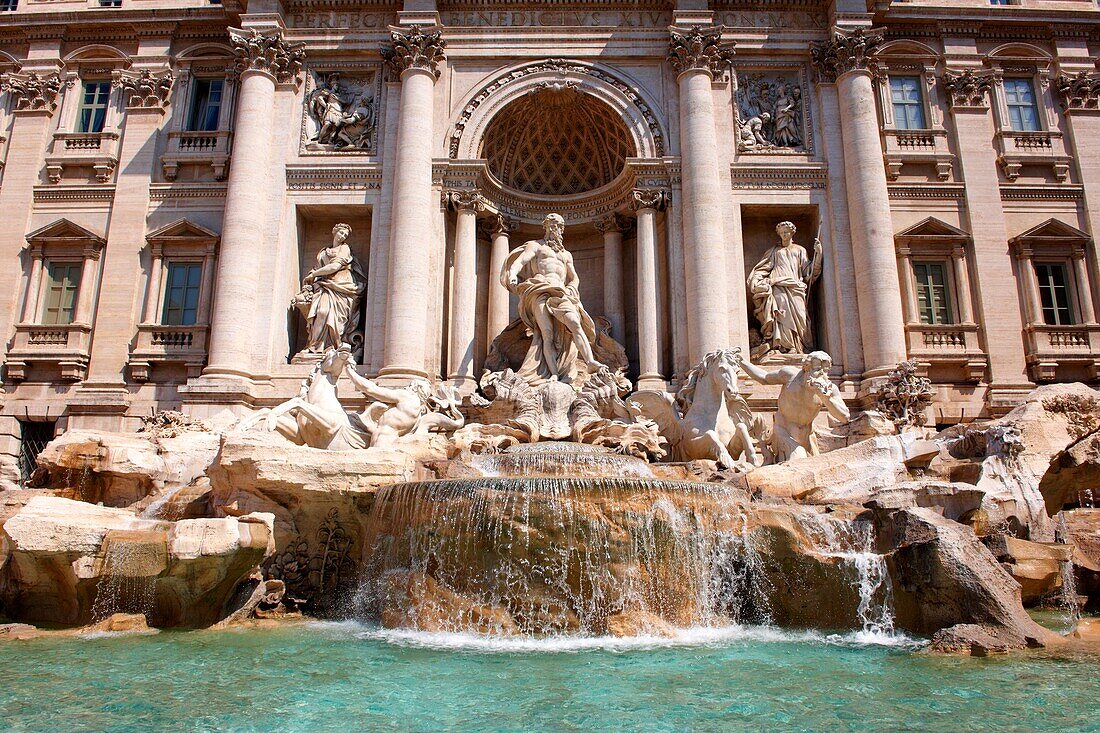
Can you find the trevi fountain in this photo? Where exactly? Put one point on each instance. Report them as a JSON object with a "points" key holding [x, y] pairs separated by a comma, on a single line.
{"points": [[441, 560]]}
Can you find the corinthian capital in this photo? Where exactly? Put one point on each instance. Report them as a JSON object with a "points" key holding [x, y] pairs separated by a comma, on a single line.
{"points": [[1078, 91], [459, 200], [698, 47], [967, 88], [267, 51], [648, 198], [844, 52], [414, 48], [145, 88], [613, 223], [32, 91]]}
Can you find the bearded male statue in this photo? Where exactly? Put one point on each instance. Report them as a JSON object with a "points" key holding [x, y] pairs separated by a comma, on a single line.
{"points": [[541, 273]]}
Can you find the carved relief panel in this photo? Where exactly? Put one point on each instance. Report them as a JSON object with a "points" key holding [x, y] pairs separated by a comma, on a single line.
{"points": [[772, 112], [341, 112]]}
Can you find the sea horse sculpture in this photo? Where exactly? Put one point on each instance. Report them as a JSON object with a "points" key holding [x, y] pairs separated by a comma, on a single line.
{"points": [[709, 419]]}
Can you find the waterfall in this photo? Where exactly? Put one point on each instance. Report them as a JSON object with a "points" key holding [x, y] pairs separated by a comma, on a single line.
{"points": [[1069, 580], [131, 561]]}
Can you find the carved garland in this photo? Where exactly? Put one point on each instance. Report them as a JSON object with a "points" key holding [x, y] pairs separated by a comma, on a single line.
{"points": [[145, 88], [967, 89], [414, 49], [34, 92], [562, 67], [267, 51], [1078, 91], [844, 52]]}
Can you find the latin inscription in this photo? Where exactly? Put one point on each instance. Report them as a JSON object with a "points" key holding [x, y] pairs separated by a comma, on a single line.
{"points": [[560, 18]]}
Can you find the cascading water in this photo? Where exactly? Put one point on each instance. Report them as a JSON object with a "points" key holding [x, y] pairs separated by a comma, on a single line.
{"points": [[1070, 602], [127, 579]]}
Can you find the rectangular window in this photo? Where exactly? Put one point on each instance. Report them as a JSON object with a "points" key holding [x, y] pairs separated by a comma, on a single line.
{"points": [[181, 296], [61, 289], [905, 93], [206, 103], [933, 298], [1054, 293], [8, 4], [1023, 113], [33, 436], [110, 3], [93, 106]]}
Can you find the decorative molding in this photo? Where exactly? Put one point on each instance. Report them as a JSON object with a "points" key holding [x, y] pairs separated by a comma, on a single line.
{"points": [[145, 88], [333, 179], [613, 222], [844, 52], [774, 177], [266, 51], [414, 48], [648, 198], [1078, 91], [32, 91], [1041, 192], [967, 89], [497, 224], [563, 68], [72, 194], [699, 48], [943, 191], [164, 192]]}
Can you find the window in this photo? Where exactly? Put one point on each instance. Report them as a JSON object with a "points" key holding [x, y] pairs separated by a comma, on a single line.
{"points": [[905, 93], [1054, 293], [933, 299], [110, 3], [93, 106], [33, 436], [1000, 2], [1023, 114], [181, 298], [206, 102], [8, 4], [61, 289]]}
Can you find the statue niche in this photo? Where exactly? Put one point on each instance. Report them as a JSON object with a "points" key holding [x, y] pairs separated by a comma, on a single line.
{"points": [[330, 294], [779, 286]]}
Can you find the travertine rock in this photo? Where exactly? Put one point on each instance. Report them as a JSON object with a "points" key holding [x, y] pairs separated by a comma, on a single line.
{"points": [[944, 577], [1036, 566], [61, 551]]}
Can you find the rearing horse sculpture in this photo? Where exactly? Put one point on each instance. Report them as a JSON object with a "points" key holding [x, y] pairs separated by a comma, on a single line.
{"points": [[709, 419]]}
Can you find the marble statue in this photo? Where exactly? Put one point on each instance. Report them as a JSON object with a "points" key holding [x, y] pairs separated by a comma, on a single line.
{"points": [[779, 285], [329, 298], [541, 273], [769, 113], [316, 418], [344, 118], [709, 419], [804, 391], [751, 132]]}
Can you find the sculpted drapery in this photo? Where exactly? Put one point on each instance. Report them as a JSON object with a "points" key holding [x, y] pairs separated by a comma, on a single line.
{"points": [[330, 294], [779, 285]]}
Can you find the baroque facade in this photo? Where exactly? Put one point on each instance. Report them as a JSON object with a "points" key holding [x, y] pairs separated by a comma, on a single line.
{"points": [[172, 168]]}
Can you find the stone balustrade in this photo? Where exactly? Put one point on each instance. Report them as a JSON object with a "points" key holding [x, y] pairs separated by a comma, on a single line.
{"points": [[95, 150], [158, 344], [65, 346], [197, 148]]}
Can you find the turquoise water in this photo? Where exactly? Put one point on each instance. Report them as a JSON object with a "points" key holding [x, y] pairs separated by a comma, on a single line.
{"points": [[348, 677]]}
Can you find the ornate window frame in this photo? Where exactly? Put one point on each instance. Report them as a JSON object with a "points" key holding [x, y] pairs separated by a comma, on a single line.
{"points": [[67, 345], [1048, 346], [179, 241], [1017, 148], [188, 147]]}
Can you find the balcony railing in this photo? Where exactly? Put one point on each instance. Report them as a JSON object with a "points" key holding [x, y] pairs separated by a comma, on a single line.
{"points": [[95, 150], [197, 148], [921, 147], [1015, 149], [1051, 347], [184, 345], [953, 345], [68, 346]]}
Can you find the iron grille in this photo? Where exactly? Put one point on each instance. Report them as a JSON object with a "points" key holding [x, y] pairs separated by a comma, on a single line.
{"points": [[33, 437]]}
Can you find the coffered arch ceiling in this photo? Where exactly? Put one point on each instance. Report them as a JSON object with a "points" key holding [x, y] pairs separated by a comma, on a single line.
{"points": [[557, 141]]}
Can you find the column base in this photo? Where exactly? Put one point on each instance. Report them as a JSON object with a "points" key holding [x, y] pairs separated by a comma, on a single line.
{"points": [[653, 382], [399, 376], [466, 385]]}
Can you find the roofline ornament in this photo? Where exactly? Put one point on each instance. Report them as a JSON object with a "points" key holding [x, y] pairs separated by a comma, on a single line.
{"points": [[146, 88], [967, 88], [266, 51], [32, 91], [414, 48], [1078, 91], [699, 48]]}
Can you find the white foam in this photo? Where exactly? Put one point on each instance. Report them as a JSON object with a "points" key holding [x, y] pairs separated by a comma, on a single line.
{"points": [[708, 636]]}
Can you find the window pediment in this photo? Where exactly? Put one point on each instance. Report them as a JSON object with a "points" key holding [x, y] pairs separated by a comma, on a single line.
{"points": [[64, 231]]}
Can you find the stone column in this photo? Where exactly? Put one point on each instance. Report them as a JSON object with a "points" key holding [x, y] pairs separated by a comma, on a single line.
{"points": [[997, 293], [844, 59], [145, 93], [34, 288], [1079, 95], [908, 297], [646, 203], [263, 59], [962, 285], [85, 294], [153, 287], [1033, 306], [613, 227], [1081, 275], [498, 229], [460, 355], [34, 97], [697, 55], [414, 54]]}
